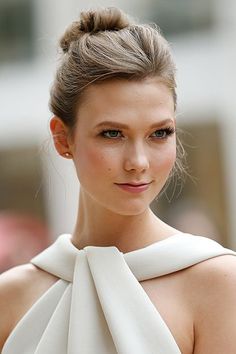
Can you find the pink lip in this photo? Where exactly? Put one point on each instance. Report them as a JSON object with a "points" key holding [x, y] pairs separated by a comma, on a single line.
{"points": [[133, 188]]}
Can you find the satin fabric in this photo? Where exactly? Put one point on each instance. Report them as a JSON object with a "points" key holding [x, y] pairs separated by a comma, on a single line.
{"points": [[98, 305]]}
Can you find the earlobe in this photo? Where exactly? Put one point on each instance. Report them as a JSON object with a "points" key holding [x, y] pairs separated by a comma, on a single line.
{"points": [[60, 137]]}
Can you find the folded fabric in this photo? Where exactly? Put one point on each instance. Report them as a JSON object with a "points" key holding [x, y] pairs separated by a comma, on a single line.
{"points": [[98, 305]]}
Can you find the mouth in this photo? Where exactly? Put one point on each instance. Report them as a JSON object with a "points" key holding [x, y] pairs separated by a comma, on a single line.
{"points": [[134, 184], [134, 187]]}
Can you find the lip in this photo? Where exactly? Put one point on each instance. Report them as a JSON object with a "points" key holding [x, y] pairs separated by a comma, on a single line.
{"points": [[135, 183], [133, 187]]}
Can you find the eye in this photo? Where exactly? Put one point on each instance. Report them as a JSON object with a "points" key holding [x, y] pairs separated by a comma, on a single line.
{"points": [[163, 133], [111, 134]]}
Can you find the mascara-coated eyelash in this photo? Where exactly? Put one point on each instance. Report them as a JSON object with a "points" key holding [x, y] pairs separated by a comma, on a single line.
{"points": [[165, 132], [112, 136], [115, 134]]}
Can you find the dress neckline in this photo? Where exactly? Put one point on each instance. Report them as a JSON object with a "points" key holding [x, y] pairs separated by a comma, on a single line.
{"points": [[167, 239]]}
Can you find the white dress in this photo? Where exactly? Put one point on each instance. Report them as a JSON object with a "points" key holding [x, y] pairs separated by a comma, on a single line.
{"points": [[98, 305]]}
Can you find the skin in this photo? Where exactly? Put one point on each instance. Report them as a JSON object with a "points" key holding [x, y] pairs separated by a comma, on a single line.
{"points": [[134, 155], [197, 303]]}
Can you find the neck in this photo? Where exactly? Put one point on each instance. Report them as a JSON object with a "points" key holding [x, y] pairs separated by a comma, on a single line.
{"points": [[97, 226]]}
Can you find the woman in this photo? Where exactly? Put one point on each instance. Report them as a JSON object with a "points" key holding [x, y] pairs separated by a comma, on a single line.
{"points": [[124, 281]]}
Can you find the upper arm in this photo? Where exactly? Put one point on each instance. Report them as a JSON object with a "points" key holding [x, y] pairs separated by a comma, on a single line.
{"points": [[8, 290], [20, 287], [215, 318]]}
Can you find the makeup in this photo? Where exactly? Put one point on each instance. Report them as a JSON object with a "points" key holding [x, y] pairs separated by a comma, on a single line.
{"points": [[133, 188]]}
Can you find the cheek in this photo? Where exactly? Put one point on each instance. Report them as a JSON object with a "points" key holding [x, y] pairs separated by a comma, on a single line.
{"points": [[165, 159], [92, 161]]}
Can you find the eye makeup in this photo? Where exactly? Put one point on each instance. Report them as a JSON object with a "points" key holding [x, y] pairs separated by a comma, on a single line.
{"points": [[158, 134]]}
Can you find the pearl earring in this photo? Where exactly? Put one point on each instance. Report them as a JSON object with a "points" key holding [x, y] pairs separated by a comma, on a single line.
{"points": [[67, 155]]}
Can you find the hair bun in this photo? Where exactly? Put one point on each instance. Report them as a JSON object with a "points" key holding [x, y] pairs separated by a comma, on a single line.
{"points": [[92, 21], [108, 19]]}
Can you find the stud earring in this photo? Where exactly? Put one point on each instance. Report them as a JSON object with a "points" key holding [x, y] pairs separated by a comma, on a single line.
{"points": [[68, 155]]}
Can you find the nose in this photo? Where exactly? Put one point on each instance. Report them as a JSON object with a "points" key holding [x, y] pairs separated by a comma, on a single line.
{"points": [[136, 158]]}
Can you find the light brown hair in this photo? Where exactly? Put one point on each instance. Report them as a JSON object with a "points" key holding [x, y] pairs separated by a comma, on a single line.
{"points": [[106, 44]]}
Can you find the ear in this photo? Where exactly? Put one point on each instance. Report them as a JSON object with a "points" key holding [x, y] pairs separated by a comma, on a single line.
{"points": [[60, 134]]}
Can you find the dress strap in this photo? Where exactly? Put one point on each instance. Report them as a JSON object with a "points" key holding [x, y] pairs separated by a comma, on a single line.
{"points": [[160, 258]]}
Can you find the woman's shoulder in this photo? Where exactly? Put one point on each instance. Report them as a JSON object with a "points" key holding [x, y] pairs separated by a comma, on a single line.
{"points": [[216, 270], [211, 290], [13, 277], [16, 283], [211, 274], [23, 278], [20, 287]]}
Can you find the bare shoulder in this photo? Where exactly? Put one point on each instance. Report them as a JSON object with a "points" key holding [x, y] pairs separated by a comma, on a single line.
{"points": [[15, 276], [22, 279], [211, 287], [20, 287], [214, 272]]}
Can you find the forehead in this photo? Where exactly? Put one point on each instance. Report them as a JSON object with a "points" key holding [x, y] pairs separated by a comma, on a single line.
{"points": [[126, 100]]}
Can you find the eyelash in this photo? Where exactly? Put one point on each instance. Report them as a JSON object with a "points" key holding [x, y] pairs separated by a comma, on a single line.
{"points": [[168, 131]]}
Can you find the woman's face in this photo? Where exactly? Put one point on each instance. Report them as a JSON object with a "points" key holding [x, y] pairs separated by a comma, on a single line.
{"points": [[124, 144]]}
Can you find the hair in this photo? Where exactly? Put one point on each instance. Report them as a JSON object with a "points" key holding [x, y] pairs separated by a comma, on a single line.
{"points": [[106, 44]]}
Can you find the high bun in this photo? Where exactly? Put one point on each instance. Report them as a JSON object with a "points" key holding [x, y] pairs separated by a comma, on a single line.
{"points": [[111, 18], [106, 44], [108, 19]]}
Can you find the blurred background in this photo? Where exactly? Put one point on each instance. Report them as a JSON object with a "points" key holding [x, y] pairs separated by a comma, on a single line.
{"points": [[39, 190]]}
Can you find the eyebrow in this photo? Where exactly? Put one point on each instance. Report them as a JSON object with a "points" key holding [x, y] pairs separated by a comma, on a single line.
{"points": [[125, 126]]}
